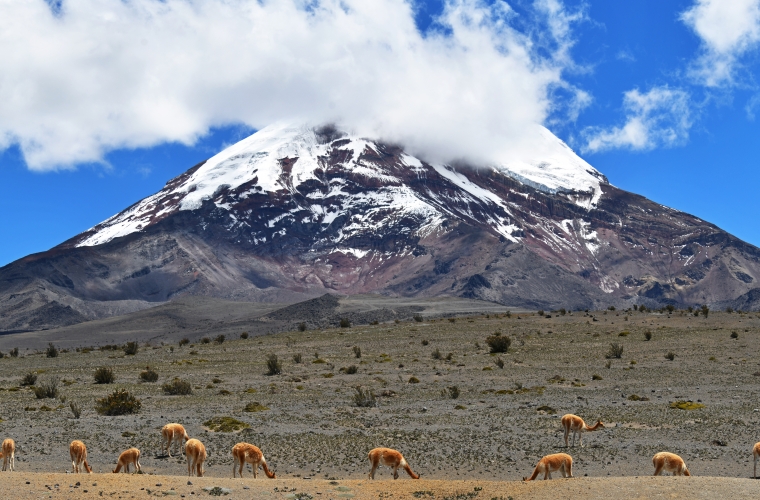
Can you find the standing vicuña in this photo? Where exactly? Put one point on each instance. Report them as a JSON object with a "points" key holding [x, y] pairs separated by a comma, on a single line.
{"points": [[172, 433], [756, 455], [576, 425], [389, 458], [245, 452], [669, 462], [9, 454], [552, 463], [78, 453], [128, 457], [196, 455]]}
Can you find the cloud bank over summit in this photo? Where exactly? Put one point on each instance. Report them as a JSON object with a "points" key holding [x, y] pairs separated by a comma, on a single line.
{"points": [[85, 77]]}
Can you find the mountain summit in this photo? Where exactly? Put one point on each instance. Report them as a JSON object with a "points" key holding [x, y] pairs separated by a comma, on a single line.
{"points": [[294, 211]]}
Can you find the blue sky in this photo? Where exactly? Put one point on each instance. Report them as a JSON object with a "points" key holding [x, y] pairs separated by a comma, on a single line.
{"points": [[659, 95]]}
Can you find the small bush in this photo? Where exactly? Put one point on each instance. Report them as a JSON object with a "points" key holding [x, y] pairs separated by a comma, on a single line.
{"points": [[76, 410], [149, 375], [452, 392], [705, 310], [219, 339], [616, 351], [131, 348], [345, 323], [686, 405], [29, 379], [729, 310], [177, 387], [255, 407], [500, 362], [418, 318], [104, 375], [302, 327], [670, 308], [497, 343], [540, 312], [47, 389], [596, 376], [357, 351], [225, 424], [648, 336], [297, 358], [624, 333], [52, 351], [351, 370], [120, 402], [184, 341], [425, 342], [274, 366], [364, 398], [14, 352], [436, 354], [244, 335], [670, 356], [205, 340], [734, 335], [414, 380]]}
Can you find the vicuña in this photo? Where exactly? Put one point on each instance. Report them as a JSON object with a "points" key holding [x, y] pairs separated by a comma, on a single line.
{"points": [[78, 453], [245, 452], [172, 433], [552, 463], [127, 458], [576, 425], [389, 458], [669, 462], [196, 455], [9, 454]]}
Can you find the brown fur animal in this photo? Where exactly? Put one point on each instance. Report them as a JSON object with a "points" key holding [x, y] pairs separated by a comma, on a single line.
{"points": [[78, 453], [669, 462], [9, 455], [756, 455], [196, 455], [552, 463], [576, 425], [389, 458], [172, 433], [245, 452], [128, 457]]}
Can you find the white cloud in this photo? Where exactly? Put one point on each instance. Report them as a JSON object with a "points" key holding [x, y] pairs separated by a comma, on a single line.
{"points": [[658, 118], [108, 74], [728, 29]]}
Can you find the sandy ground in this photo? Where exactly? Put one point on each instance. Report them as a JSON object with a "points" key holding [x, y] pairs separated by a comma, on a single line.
{"points": [[503, 420], [41, 485]]}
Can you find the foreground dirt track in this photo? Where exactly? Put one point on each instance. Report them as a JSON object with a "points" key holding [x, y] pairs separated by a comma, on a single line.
{"points": [[141, 486]]}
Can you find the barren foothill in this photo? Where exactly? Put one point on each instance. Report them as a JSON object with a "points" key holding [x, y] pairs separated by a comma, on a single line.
{"points": [[501, 423]]}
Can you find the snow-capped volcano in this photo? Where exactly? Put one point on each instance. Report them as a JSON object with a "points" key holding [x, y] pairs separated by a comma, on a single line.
{"points": [[295, 211], [257, 164]]}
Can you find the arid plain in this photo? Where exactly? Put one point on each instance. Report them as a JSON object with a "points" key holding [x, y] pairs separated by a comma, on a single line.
{"points": [[502, 420]]}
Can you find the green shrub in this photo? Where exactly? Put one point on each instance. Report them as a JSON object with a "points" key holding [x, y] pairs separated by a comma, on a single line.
{"points": [[357, 351], [297, 358], [670, 356], [149, 375], [184, 341], [616, 351], [205, 340], [345, 323], [274, 366], [497, 343], [244, 335], [47, 389], [302, 327], [452, 392], [104, 375], [177, 387], [14, 352], [734, 335], [425, 342], [29, 379], [596, 376], [255, 407], [120, 402], [648, 336], [418, 318], [436, 354], [414, 380], [130, 348], [351, 370], [52, 351], [219, 339], [364, 398], [686, 405], [225, 424]]}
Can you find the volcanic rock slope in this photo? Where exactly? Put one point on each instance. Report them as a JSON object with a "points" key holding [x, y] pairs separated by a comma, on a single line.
{"points": [[293, 212]]}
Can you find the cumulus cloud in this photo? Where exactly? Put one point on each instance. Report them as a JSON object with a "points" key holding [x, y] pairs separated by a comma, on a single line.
{"points": [[728, 29], [97, 75], [660, 117]]}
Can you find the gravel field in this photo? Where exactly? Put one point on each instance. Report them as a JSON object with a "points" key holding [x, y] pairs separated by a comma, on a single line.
{"points": [[504, 419]]}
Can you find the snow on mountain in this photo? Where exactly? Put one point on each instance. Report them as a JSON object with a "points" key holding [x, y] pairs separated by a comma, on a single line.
{"points": [[260, 161]]}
